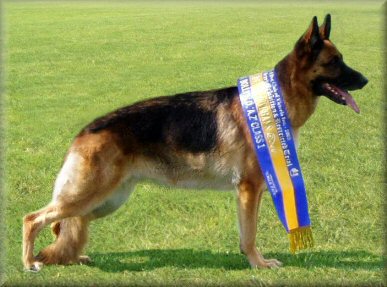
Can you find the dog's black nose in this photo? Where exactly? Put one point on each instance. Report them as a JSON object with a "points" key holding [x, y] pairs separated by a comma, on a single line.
{"points": [[363, 81]]}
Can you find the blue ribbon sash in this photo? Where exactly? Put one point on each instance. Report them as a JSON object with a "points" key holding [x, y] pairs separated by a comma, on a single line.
{"points": [[270, 128]]}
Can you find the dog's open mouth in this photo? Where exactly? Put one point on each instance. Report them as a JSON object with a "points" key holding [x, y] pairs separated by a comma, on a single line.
{"points": [[340, 96]]}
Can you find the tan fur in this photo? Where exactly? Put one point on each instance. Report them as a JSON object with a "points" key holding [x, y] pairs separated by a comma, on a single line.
{"points": [[69, 243]]}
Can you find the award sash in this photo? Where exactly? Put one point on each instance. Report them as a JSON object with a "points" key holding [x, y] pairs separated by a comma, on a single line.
{"points": [[272, 134]]}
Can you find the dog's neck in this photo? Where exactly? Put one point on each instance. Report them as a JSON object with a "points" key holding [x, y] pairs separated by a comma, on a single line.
{"points": [[299, 98]]}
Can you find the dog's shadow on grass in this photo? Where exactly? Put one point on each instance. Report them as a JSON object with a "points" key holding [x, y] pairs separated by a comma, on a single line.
{"points": [[145, 260]]}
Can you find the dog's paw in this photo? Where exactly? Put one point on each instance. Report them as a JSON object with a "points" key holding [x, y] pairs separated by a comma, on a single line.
{"points": [[34, 267], [262, 263], [84, 260], [272, 263]]}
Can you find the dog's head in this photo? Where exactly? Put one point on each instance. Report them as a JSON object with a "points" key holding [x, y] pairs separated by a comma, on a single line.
{"points": [[324, 67]]}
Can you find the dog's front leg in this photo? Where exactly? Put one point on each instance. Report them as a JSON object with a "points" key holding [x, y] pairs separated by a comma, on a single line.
{"points": [[249, 197]]}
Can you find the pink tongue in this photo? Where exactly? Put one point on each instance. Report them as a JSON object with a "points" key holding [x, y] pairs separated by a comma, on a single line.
{"points": [[349, 100]]}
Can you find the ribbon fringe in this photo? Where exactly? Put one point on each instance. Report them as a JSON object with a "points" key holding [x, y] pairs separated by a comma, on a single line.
{"points": [[300, 238]]}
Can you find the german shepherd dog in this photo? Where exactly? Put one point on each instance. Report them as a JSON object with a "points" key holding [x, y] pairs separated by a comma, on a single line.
{"points": [[195, 139]]}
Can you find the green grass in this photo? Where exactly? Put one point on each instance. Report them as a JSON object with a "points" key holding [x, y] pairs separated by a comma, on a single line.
{"points": [[69, 62]]}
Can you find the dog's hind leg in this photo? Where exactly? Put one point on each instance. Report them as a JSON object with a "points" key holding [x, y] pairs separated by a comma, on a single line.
{"points": [[72, 233], [73, 217], [79, 225], [249, 198], [32, 224], [87, 179], [71, 237]]}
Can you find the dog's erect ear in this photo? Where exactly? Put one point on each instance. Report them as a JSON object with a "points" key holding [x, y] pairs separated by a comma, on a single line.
{"points": [[312, 35], [311, 42], [325, 28]]}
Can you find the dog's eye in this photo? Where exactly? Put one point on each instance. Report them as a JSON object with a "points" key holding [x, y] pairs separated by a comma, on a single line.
{"points": [[333, 61]]}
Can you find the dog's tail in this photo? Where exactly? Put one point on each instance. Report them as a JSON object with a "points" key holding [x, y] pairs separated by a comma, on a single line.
{"points": [[71, 237]]}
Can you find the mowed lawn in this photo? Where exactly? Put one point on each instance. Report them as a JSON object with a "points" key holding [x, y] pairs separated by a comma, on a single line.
{"points": [[69, 62]]}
